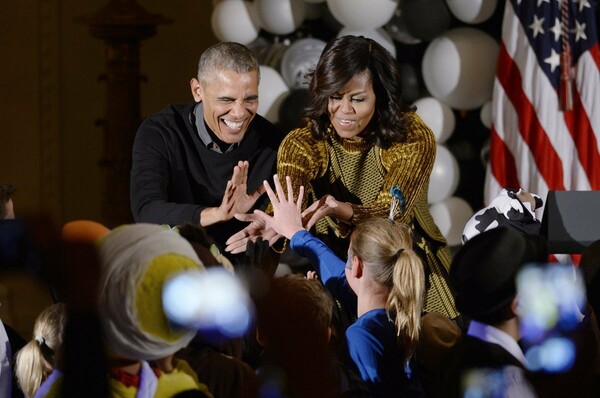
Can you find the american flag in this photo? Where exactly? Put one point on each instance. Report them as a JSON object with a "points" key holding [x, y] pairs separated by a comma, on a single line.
{"points": [[546, 100]]}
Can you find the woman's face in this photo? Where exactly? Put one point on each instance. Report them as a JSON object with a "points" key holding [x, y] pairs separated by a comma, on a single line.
{"points": [[352, 108]]}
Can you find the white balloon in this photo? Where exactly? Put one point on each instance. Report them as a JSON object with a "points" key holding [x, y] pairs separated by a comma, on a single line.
{"points": [[300, 59], [459, 67], [272, 90], [444, 176], [247, 22], [438, 116], [486, 114], [379, 35], [451, 216], [280, 17], [362, 14], [472, 11]]}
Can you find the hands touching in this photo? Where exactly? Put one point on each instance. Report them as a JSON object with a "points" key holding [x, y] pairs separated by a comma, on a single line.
{"points": [[256, 229], [326, 206], [287, 214], [235, 199], [286, 219]]}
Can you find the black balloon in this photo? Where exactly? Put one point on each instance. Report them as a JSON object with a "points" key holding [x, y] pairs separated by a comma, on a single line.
{"points": [[412, 83], [425, 19], [396, 27], [290, 111]]}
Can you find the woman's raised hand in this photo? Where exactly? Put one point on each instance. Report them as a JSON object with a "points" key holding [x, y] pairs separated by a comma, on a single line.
{"points": [[326, 206]]}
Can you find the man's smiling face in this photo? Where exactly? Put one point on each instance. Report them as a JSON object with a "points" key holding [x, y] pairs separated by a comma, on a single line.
{"points": [[230, 102]]}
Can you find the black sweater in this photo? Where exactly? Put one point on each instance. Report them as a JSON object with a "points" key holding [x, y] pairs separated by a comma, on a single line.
{"points": [[174, 176]]}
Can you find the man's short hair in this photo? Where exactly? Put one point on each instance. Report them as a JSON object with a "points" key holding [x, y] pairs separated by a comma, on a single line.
{"points": [[6, 194], [226, 56]]}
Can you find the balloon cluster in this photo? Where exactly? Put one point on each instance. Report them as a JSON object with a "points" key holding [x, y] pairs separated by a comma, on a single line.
{"points": [[447, 60]]}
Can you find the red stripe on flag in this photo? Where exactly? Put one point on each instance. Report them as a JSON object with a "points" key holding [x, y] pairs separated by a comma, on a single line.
{"points": [[583, 135], [503, 163], [547, 160]]}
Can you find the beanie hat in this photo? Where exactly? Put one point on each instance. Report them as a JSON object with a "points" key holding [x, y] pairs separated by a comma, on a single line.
{"points": [[484, 269], [137, 260], [506, 209], [438, 335], [83, 231]]}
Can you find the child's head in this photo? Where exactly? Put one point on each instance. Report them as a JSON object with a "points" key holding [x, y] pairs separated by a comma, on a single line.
{"points": [[385, 250], [295, 310], [293, 325], [36, 360], [137, 261]]}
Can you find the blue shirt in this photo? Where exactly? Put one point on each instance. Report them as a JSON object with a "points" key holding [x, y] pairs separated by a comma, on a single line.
{"points": [[371, 340]]}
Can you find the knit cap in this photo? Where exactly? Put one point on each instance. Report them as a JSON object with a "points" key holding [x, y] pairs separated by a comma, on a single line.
{"points": [[137, 260]]}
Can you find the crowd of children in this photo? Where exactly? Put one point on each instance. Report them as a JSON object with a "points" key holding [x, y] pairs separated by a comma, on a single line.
{"points": [[352, 328]]}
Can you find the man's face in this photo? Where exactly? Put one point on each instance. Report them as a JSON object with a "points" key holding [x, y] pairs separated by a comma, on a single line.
{"points": [[230, 102]]}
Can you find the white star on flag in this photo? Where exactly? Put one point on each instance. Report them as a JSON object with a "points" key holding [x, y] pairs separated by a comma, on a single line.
{"points": [[536, 26], [579, 31], [553, 60]]}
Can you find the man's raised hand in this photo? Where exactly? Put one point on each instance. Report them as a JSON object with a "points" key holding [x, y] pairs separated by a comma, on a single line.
{"points": [[236, 199]]}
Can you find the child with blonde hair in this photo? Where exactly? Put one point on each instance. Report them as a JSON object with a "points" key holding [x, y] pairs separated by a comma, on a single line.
{"points": [[36, 360], [382, 284]]}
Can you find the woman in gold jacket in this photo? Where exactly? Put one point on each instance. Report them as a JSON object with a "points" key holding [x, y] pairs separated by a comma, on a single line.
{"points": [[359, 143]]}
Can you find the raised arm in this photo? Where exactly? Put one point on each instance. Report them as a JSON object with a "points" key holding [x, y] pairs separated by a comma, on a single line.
{"points": [[302, 158], [287, 221], [236, 198], [151, 179]]}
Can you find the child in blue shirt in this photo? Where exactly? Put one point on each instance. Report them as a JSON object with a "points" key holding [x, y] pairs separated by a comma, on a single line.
{"points": [[382, 281]]}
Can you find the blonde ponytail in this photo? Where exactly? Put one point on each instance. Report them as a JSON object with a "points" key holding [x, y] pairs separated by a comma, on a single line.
{"points": [[406, 299], [386, 249], [35, 361], [31, 369]]}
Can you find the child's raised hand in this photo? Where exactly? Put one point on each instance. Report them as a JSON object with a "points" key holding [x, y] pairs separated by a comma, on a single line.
{"points": [[287, 213]]}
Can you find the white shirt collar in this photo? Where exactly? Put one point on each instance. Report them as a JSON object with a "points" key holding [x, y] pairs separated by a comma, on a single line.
{"points": [[494, 335], [5, 359]]}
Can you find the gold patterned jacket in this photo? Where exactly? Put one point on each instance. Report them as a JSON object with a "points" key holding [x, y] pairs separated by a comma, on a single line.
{"points": [[362, 174]]}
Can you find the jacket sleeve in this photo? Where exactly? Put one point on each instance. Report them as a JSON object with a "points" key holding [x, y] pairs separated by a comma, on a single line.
{"points": [[302, 158], [150, 181]]}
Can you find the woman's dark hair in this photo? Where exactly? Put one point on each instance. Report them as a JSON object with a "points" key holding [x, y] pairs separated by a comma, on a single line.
{"points": [[343, 58]]}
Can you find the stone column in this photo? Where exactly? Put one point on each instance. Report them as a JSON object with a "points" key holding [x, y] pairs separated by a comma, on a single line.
{"points": [[122, 25]]}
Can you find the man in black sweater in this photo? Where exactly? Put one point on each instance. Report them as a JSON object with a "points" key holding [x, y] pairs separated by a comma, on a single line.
{"points": [[203, 162]]}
